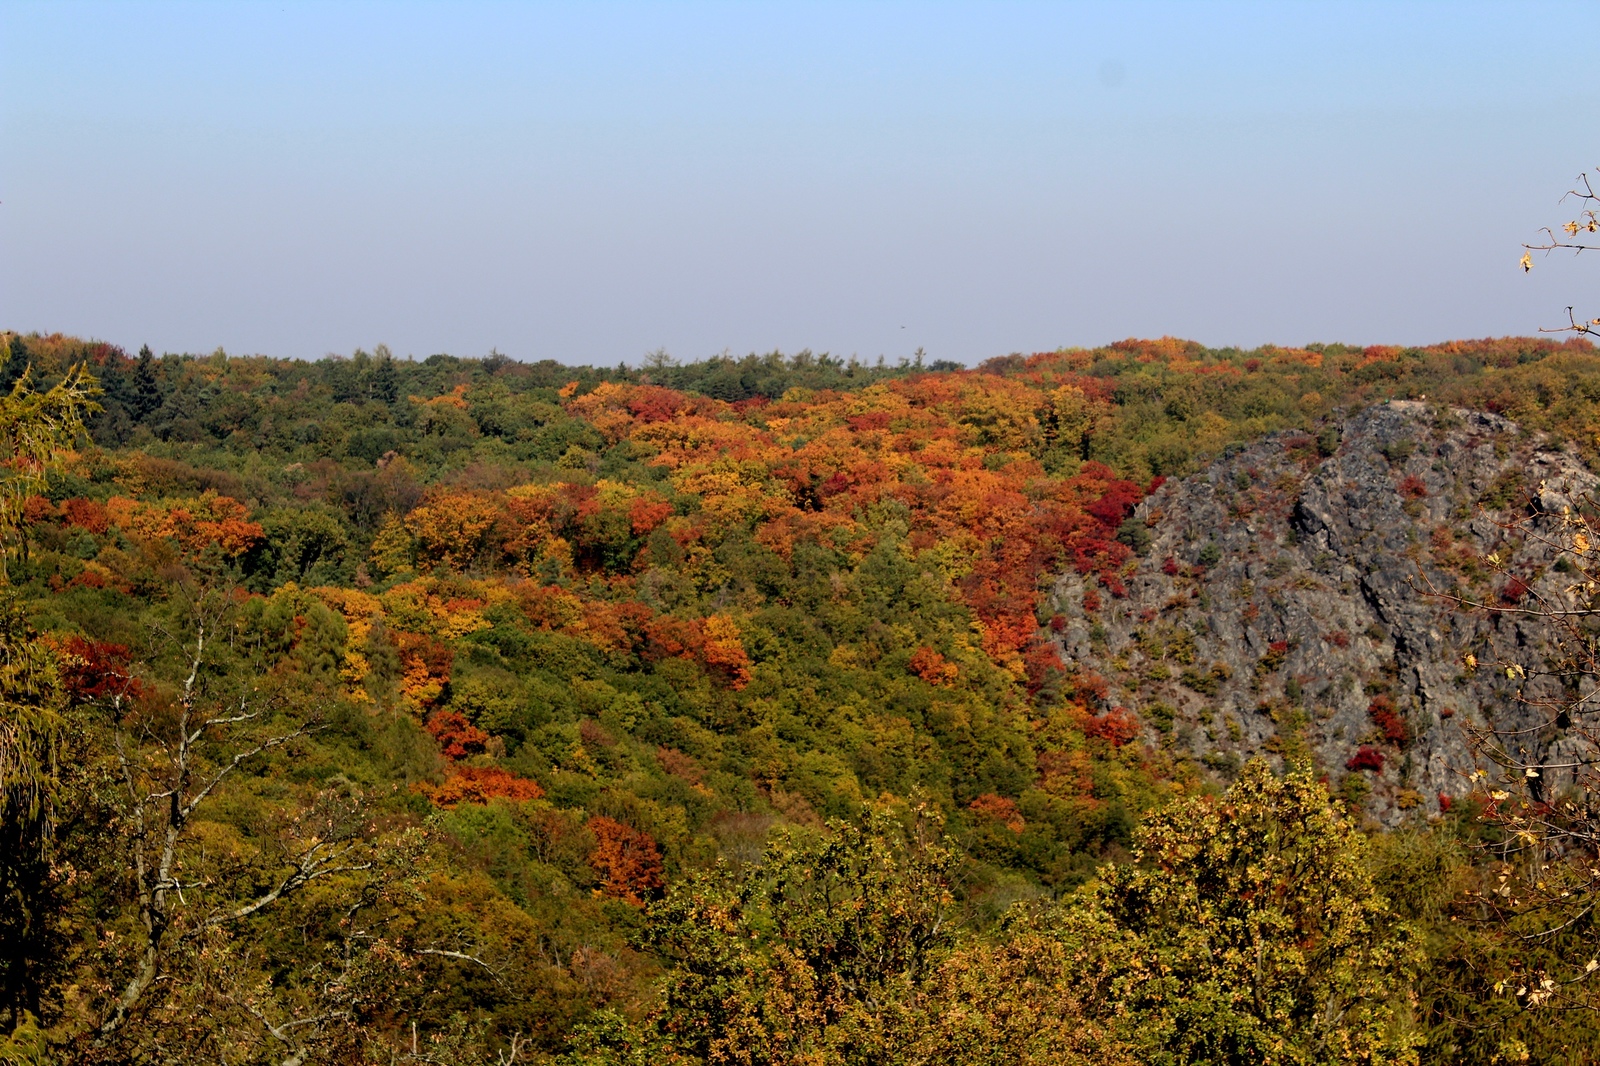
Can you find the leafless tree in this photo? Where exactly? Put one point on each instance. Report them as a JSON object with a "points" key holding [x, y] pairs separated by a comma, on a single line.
{"points": [[1586, 221], [172, 757], [1538, 777]]}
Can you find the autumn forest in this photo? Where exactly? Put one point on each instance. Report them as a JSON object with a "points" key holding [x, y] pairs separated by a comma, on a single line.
{"points": [[467, 710]]}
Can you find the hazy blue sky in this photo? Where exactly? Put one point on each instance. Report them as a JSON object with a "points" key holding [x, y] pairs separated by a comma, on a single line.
{"points": [[590, 182]]}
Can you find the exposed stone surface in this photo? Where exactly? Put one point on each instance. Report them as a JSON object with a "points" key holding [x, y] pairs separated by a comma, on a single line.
{"points": [[1279, 604]]}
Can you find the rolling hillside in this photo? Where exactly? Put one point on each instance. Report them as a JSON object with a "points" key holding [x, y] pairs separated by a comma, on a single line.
{"points": [[505, 675]]}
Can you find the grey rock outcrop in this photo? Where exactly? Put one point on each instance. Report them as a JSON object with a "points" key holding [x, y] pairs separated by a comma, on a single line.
{"points": [[1281, 604]]}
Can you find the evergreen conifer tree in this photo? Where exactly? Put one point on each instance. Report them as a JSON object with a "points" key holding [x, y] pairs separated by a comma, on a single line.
{"points": [[146, 399], [385, 383]]}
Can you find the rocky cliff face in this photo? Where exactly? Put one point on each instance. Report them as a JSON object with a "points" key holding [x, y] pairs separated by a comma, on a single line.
{"points": [[1279, 605]]}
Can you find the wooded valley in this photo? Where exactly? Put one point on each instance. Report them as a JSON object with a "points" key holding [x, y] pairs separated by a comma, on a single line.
{"points": [[798, 710]]}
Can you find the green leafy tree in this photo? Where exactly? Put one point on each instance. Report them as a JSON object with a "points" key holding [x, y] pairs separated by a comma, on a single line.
{"points": [[1248, 930], [34, 426], [308, 545], [803, 957]]}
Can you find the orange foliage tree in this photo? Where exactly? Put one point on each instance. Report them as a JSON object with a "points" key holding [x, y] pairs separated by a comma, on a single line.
{"points": [[481, 784], [627, 861], [195, 524]]}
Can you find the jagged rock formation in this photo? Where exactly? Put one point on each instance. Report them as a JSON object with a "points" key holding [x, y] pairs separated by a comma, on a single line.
{"points": [[1279, 603]]}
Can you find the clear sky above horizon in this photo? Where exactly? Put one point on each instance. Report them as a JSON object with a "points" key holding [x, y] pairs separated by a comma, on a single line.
{"points": [[591, 182]]}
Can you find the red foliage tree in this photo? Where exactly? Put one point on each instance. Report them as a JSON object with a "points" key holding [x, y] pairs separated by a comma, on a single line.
{"points": [[652, 403], [92, 669], [1116, 726], [646, 513], [715, 642], [1387, 717], [1000, 809], [669, 637], [1366, 758], [457, 737], [1041, 661]]}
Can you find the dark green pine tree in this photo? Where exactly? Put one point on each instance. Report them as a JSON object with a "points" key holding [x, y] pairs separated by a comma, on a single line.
{"points": [[385, 382], [146, 398], [113, 379]]}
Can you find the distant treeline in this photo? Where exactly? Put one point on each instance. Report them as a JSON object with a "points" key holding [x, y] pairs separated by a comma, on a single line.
{"points": [[1170, 404]]}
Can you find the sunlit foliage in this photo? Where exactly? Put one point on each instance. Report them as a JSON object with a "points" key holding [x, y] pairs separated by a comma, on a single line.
{"points": [[707, 709]]}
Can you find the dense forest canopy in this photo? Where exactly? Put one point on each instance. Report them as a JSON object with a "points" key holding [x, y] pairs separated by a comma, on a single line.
{"points": [[461, 708]]}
